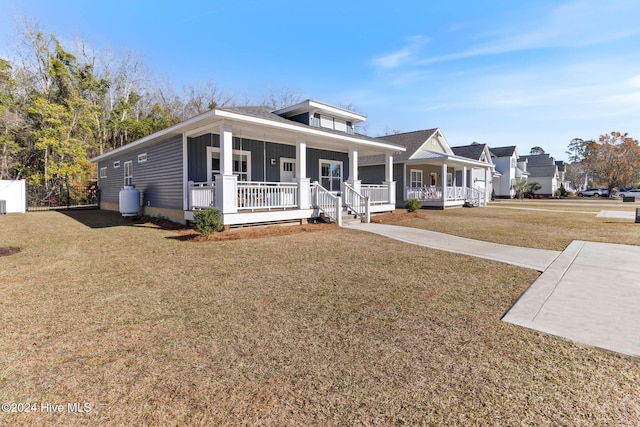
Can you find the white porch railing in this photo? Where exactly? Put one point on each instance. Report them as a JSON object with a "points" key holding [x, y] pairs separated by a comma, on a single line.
{"points": [[327, 203], [423, 193], [202, 195], [477, 196], [357, 203], [377, 194], [254, 195], [432, 193]]}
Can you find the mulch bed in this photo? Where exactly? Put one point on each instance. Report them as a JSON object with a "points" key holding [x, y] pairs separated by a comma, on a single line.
{"points": [[258, 232], [8, 251]]}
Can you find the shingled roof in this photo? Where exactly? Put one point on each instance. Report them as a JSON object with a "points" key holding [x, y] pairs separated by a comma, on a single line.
{"points": [[503, 151], [411, 140], [473, 151]]}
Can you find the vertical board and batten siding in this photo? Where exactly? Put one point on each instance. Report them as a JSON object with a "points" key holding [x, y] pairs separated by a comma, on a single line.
{"points": [[159, 178], [261, 154]]}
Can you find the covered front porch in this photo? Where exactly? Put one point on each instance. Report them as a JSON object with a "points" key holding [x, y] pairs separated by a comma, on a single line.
{"points": [[443, 181], [303, 176]]}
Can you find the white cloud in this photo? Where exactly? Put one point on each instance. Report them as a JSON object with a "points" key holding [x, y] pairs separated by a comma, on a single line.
{"points": [[402, 56]]}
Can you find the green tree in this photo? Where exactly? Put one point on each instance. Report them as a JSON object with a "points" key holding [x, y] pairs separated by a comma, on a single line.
{"points": [[9, 122], [537, 150], [63, 118]]}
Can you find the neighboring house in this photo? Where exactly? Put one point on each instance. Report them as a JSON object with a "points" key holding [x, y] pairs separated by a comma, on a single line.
{"points": [[511, 169], [562, 178], [543, 169], [254, 164], [476, 177], [430, 171]]}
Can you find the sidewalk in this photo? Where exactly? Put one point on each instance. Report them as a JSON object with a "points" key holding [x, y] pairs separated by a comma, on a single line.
{"points": [[589, 293], [535, 259]]}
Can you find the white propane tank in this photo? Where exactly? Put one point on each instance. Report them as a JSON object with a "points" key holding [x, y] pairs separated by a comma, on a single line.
{"points": [[129, 199]]}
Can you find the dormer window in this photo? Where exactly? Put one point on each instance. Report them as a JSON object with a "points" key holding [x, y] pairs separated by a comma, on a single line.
{"points": [[320, 115]]}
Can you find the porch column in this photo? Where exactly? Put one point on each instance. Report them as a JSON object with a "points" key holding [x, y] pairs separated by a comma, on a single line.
{"points": [[487, 187], [304, 193], [226, 182], [388, 175], [444, 182], [464, 177], [353, 180]]}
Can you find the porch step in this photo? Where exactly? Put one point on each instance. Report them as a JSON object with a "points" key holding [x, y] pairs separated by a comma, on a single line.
{"points": [[349, 219]]}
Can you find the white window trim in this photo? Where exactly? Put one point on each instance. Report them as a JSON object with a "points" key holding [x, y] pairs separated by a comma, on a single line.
{"points": [[142, 158], [211, 150], [411, 181], [116, 164], [103, 172], [331, 162], [130, 177]]}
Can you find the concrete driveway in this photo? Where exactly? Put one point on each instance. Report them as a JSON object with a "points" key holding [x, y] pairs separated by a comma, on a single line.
{"points": [[589, 293]]}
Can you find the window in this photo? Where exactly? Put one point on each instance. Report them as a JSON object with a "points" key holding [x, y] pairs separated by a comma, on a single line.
{"points": [[142, 158], [128, 173], [116, 164], [331, 174], [288, 166], [416, 178], [513, 162], [326, 121], [433, 178], [103, 172], [241, 163], [449, 180]]}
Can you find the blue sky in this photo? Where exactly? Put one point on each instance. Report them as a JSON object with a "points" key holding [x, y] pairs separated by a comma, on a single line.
{"points": [[525, 73]]}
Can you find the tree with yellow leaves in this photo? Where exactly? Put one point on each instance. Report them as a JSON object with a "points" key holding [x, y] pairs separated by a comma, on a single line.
{"points": [[614, 160]]}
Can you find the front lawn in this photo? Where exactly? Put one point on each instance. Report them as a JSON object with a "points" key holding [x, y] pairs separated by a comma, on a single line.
{"points": [[336, 327]]}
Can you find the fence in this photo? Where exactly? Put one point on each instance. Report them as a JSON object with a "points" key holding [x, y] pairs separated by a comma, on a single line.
{"points": [[40, 198]]}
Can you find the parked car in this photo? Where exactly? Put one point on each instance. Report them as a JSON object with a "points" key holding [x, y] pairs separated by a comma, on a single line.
{"points": [[594, 192], [634, 192]]}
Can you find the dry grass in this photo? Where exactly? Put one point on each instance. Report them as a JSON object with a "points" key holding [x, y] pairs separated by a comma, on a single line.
{"points": [[327, 328], [535, 224]]}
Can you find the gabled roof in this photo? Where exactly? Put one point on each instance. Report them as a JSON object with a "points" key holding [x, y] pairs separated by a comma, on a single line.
{"points": [[412, 141], [503, 151], [473, 151]]}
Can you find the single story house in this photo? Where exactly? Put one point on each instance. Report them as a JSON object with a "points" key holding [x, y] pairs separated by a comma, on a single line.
{"points": [[476, 177], [254, 164], [429, 171]]}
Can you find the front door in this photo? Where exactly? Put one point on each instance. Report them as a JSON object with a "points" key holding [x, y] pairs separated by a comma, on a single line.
{"points": [[287, 169], [331, 174]]}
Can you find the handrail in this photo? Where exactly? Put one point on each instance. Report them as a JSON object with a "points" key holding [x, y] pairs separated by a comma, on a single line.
{"points": [[357, 203], [327, 203]]}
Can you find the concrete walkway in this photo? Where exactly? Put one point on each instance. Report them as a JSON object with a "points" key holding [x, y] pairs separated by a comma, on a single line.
{"points": [[589, 293], [535, 259]]}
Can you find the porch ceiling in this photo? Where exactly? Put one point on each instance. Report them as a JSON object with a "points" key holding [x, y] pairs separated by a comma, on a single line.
{"points": [[436, 159]]}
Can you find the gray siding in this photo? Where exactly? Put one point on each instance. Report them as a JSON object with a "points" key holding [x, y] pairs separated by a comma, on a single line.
{"points": [[159, 178], [371, 174], [262, 152]]}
